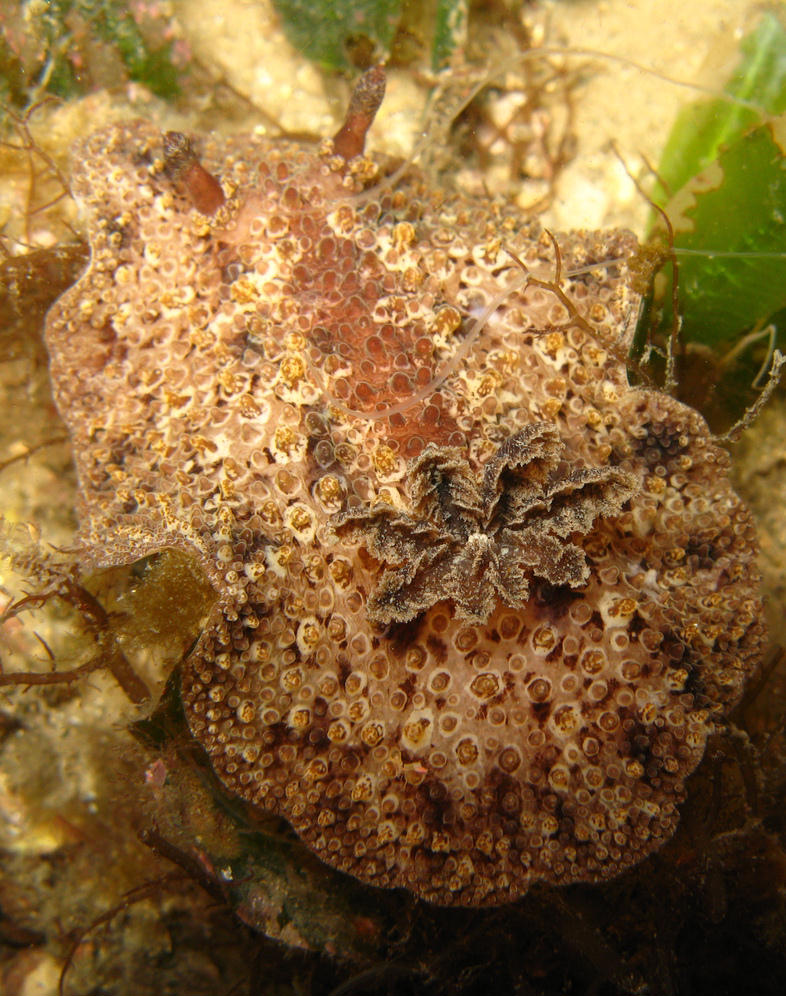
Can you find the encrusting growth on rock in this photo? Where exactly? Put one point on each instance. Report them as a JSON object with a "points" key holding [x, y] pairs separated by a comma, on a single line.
{"points": [[480, 602]]}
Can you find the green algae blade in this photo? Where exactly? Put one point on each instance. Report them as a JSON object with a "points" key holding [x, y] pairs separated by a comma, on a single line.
{"points": [[703, 128], [735, 205], [329, 31], [722, 184], [450, 31]]}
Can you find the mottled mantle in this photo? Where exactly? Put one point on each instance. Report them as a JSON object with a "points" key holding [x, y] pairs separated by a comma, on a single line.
{"points": [[479, 603]]}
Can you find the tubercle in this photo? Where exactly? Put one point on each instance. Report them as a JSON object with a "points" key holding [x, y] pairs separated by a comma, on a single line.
{"points": [[182, 164]]}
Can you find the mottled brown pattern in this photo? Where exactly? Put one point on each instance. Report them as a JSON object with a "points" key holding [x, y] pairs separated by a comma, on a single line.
{"points": [[336, 377], [478, 543]]}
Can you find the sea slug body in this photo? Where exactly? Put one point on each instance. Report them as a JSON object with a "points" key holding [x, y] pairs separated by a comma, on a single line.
{"points": [[480, 601]]}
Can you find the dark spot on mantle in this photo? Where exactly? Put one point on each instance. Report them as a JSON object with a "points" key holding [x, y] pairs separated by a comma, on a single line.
{"points": [[438, 648]]}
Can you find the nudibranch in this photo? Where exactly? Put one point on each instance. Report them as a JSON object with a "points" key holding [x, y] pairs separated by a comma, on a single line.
{"points": [[480, 602]]}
